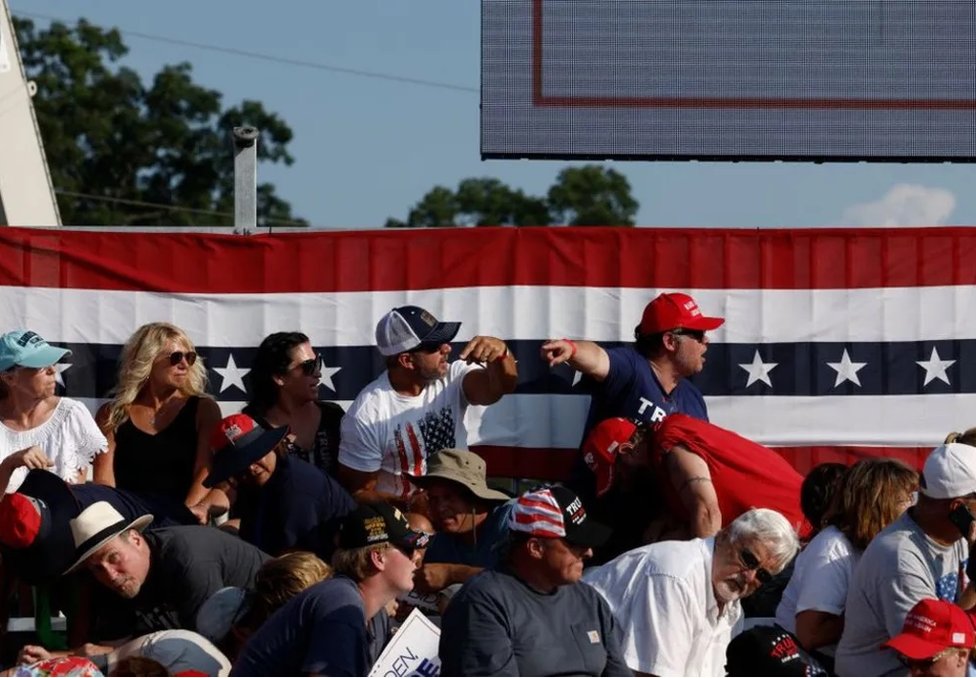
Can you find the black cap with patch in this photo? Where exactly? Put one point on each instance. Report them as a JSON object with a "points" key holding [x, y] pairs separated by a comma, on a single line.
{"points": [[376, 523]]}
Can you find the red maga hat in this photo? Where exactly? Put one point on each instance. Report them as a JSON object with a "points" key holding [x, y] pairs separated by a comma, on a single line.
{"points": [[931, 627], [671, 310]]}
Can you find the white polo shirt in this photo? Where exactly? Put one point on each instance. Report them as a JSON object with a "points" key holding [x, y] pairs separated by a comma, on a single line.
{"points": [[662, 597]]}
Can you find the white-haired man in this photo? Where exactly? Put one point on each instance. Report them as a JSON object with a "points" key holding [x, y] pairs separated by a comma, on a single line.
{"points": [[677, 602]]}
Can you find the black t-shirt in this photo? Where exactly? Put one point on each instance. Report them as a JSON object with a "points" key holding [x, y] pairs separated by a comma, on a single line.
{"points": [[189, 563], [324, 452]]}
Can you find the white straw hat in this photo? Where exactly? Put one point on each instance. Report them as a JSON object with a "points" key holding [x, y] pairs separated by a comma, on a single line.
{"points": [[96, 526]]}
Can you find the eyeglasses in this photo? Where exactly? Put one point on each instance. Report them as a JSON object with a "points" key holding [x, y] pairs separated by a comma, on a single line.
{"points": [[752, 563], [176, 357], [310, 366], [697, 335]]}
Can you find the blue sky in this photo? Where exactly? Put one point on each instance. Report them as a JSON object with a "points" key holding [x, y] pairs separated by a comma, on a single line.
{"points": [[367, 149]]}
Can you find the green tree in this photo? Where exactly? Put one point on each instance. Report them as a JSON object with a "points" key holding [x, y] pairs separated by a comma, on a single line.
{"points": [[592, 196], [581, 196], [108, 134]]}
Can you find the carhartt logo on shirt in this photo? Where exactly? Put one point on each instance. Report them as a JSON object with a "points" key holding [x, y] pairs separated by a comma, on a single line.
{"points": [[594, 636]]}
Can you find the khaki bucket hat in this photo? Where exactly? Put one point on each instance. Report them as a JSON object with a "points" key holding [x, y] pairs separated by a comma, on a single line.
{"points": [[462, 467]]}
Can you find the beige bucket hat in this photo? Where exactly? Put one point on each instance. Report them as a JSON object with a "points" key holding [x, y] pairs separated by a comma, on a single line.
{"points": [[462, 467]]}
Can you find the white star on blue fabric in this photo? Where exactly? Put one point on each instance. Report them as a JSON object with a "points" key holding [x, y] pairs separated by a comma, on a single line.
{"points": [[327, 374], [758, 370], [935, 367], [846, 370], [61, 367], [232, 375]]}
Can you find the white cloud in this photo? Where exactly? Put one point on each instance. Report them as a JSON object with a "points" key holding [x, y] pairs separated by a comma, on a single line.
{"points": [[903, 205]]}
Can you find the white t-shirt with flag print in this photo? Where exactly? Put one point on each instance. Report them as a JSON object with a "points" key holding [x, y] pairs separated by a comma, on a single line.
{"points": [[392, 433]]}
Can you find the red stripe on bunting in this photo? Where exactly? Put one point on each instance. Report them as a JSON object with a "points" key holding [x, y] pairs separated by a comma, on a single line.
{"points": [[414, 259], [555, 464]]}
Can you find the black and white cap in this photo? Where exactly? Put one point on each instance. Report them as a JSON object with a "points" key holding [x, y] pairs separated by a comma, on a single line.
{"points": [[407, 327]]}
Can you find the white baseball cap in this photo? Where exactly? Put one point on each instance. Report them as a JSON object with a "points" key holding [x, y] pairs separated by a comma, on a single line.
{"points": [[949, 472]]}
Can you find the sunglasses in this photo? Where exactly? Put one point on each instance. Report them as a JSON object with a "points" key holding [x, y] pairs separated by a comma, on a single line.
{"points": [[697, 335], [408, 551], [310, 366], [752, 563], [176, 357]]}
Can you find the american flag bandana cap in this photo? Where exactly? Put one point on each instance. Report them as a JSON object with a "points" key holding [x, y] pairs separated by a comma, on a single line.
{"points": [[556, 513]]}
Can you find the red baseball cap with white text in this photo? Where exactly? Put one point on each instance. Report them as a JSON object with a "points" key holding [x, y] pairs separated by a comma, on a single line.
{"points": [[672, 310], [931, 627]]}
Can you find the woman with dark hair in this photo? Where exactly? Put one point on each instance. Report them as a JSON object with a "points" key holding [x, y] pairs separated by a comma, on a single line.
{"points": [[873, 493], [817, 492], [284, 391]]}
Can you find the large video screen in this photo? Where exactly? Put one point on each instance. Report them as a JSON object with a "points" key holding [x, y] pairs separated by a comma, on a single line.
{"points": [[885, 80]]}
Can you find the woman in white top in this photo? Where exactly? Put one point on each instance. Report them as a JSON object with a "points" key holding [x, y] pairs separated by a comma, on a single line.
{"points": [[39, 429], [872, 494]]}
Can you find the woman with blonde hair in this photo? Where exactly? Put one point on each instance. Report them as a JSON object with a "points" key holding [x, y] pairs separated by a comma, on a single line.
{"points": [[158, 423], [873, 493]]}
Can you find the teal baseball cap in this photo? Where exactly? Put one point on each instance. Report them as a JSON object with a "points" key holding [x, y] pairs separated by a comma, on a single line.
{"points": [[28, 349]]}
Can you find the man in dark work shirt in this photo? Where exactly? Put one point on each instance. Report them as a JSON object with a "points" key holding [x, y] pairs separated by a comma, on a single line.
{"points": [[162, 577]]}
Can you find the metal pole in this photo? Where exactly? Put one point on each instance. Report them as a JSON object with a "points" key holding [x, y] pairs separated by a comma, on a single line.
{"points": [[245, 179]]}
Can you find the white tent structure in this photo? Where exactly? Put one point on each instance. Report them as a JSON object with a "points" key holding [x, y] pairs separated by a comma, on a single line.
{"points": [[26, 192]]}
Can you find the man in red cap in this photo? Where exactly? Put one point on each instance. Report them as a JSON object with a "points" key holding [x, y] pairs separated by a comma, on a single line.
{"points": [[936, 639], [706, 476], [646, 380], [619, 486]]}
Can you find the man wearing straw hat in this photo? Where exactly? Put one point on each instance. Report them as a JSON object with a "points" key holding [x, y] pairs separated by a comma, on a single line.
{"points": [[470, 519], [160, 572]]}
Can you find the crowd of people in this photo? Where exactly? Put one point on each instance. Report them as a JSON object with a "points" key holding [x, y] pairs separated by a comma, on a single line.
{"points": [[293, 538]]}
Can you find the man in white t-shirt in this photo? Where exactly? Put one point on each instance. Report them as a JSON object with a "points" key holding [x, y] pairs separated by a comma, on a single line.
{"points": [[677, 602], [416, 407]]}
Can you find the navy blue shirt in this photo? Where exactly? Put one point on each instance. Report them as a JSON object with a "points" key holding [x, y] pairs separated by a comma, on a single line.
{"points": [[445, 547], [632, 390], [298, 508], [321, 631]]}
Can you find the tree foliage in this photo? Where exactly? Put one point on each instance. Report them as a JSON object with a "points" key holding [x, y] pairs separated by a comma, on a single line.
{"points": [[581, 196], [108, 134]]}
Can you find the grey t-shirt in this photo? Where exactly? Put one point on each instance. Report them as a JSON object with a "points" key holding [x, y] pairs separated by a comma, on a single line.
{"points": [[899, 567], [498, 626]]}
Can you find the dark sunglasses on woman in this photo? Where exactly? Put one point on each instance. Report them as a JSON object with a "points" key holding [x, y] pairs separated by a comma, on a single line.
{"points": [[176, 357], [309, 367]]}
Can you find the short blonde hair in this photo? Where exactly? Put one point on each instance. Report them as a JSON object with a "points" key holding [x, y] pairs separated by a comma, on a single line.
{"points": [[357, 564], [281, 579]]}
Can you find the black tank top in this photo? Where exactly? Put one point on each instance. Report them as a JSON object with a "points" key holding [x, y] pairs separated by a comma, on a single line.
{"points": [[160, 464]]}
